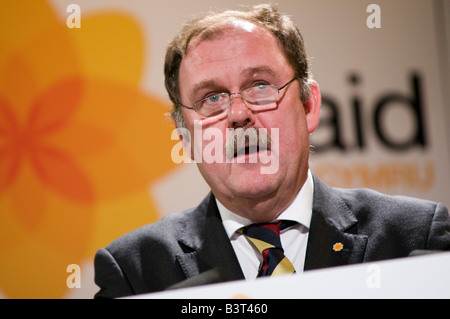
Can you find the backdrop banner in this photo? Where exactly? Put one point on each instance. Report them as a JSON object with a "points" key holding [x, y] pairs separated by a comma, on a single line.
{"points": [[86, 147]]}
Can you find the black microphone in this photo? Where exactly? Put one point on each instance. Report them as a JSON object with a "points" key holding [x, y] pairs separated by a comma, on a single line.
{"points": [[212, 276]]}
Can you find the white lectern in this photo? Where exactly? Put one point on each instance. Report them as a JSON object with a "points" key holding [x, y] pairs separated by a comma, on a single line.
{"points": [[426, 276]]}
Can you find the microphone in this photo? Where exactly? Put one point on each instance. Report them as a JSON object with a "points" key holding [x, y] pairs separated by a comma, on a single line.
{"points": [[211, 276]]}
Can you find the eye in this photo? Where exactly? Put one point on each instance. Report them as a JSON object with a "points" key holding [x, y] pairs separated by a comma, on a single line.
{"points": [[257, 89], [212, 99], [261, 87], [260, 84]]}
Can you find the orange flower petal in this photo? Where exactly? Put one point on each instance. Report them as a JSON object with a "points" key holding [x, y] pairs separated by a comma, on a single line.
{"points": [[140, 137], [60, 172], [28, 198], [55, 107], [79, 143], [110, 46], [52, 57], [34, 270], [8, 122], [9, 166], [19, 85], [23, 20], [81, 139]]}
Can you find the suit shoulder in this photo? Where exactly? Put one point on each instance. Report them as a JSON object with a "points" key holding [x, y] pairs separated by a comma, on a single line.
{"points": [[367, 200], [400, 218], [399, 223], [160, 233], [368, 203]]}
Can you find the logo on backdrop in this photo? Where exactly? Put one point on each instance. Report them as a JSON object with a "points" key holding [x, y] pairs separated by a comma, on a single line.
{"points": [[381, 108], [377, 137]]}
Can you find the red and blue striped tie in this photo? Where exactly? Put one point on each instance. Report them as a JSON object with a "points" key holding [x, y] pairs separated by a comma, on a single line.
{"points": [[266, 238]]}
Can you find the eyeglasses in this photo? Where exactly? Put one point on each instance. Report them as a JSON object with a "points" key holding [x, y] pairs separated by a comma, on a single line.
{"points": [[253, 97]]}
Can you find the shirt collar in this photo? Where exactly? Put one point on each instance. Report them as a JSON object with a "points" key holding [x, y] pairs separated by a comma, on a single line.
{"points": [[300, 210]]}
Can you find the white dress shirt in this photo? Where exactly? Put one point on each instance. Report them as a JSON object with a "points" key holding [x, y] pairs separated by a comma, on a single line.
{"points": [[293, 239]]}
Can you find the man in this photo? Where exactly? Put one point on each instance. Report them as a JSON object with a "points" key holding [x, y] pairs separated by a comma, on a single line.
{"points": [[247, 73]]}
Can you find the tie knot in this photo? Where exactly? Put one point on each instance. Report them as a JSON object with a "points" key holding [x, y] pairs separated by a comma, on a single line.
{"points": [[266, 238], [266, 235]]}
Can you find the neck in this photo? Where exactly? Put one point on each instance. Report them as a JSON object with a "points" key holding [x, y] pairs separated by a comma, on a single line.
{"points": [[266, 208]]}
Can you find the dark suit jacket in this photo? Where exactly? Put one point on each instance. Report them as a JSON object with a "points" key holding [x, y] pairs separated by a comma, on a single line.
{"points": [[371, 226]]}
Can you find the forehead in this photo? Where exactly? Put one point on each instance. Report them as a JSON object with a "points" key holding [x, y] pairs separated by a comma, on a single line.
{"points": [[238, 47], [235, 36]]}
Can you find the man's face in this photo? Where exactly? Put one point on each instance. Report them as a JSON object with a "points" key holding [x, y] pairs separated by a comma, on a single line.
{"points": [[243, 56]]}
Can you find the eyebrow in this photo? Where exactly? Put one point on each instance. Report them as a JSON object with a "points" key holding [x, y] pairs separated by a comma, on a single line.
{"points": [[202, 85], [249, 72], [259, 69]]}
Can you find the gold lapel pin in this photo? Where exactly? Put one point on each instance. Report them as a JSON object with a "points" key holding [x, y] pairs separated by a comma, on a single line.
{"points": [[338, 247]]}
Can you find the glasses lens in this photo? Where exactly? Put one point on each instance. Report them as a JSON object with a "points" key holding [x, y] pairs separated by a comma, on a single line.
{"points": [[261, 95], [213, 105]]}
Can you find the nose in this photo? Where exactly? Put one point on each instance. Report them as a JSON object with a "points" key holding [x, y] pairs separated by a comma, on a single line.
{"points": [[239, 115]]}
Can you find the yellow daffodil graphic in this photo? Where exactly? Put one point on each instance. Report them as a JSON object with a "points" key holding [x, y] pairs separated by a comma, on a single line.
{"points": [[80, 143]]}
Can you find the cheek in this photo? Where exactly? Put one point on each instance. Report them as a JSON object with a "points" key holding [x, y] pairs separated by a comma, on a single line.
{"points": [[293, 130], [289, 118]]}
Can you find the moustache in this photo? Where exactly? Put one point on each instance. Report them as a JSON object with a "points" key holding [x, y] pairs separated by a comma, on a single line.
{"points": [[246, 141]]}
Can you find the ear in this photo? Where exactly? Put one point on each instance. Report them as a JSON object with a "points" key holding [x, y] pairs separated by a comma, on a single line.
{"points": [[312, 106]]}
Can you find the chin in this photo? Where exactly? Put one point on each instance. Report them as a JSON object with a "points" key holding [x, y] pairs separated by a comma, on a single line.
{"points": [[255, 186]]}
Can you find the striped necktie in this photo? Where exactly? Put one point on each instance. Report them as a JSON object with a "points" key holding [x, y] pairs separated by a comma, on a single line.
{"points": [[266, 238]]}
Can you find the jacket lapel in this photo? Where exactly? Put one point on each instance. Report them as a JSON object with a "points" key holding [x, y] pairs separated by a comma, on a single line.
{"points": [[333, 238], [206, 245]]}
